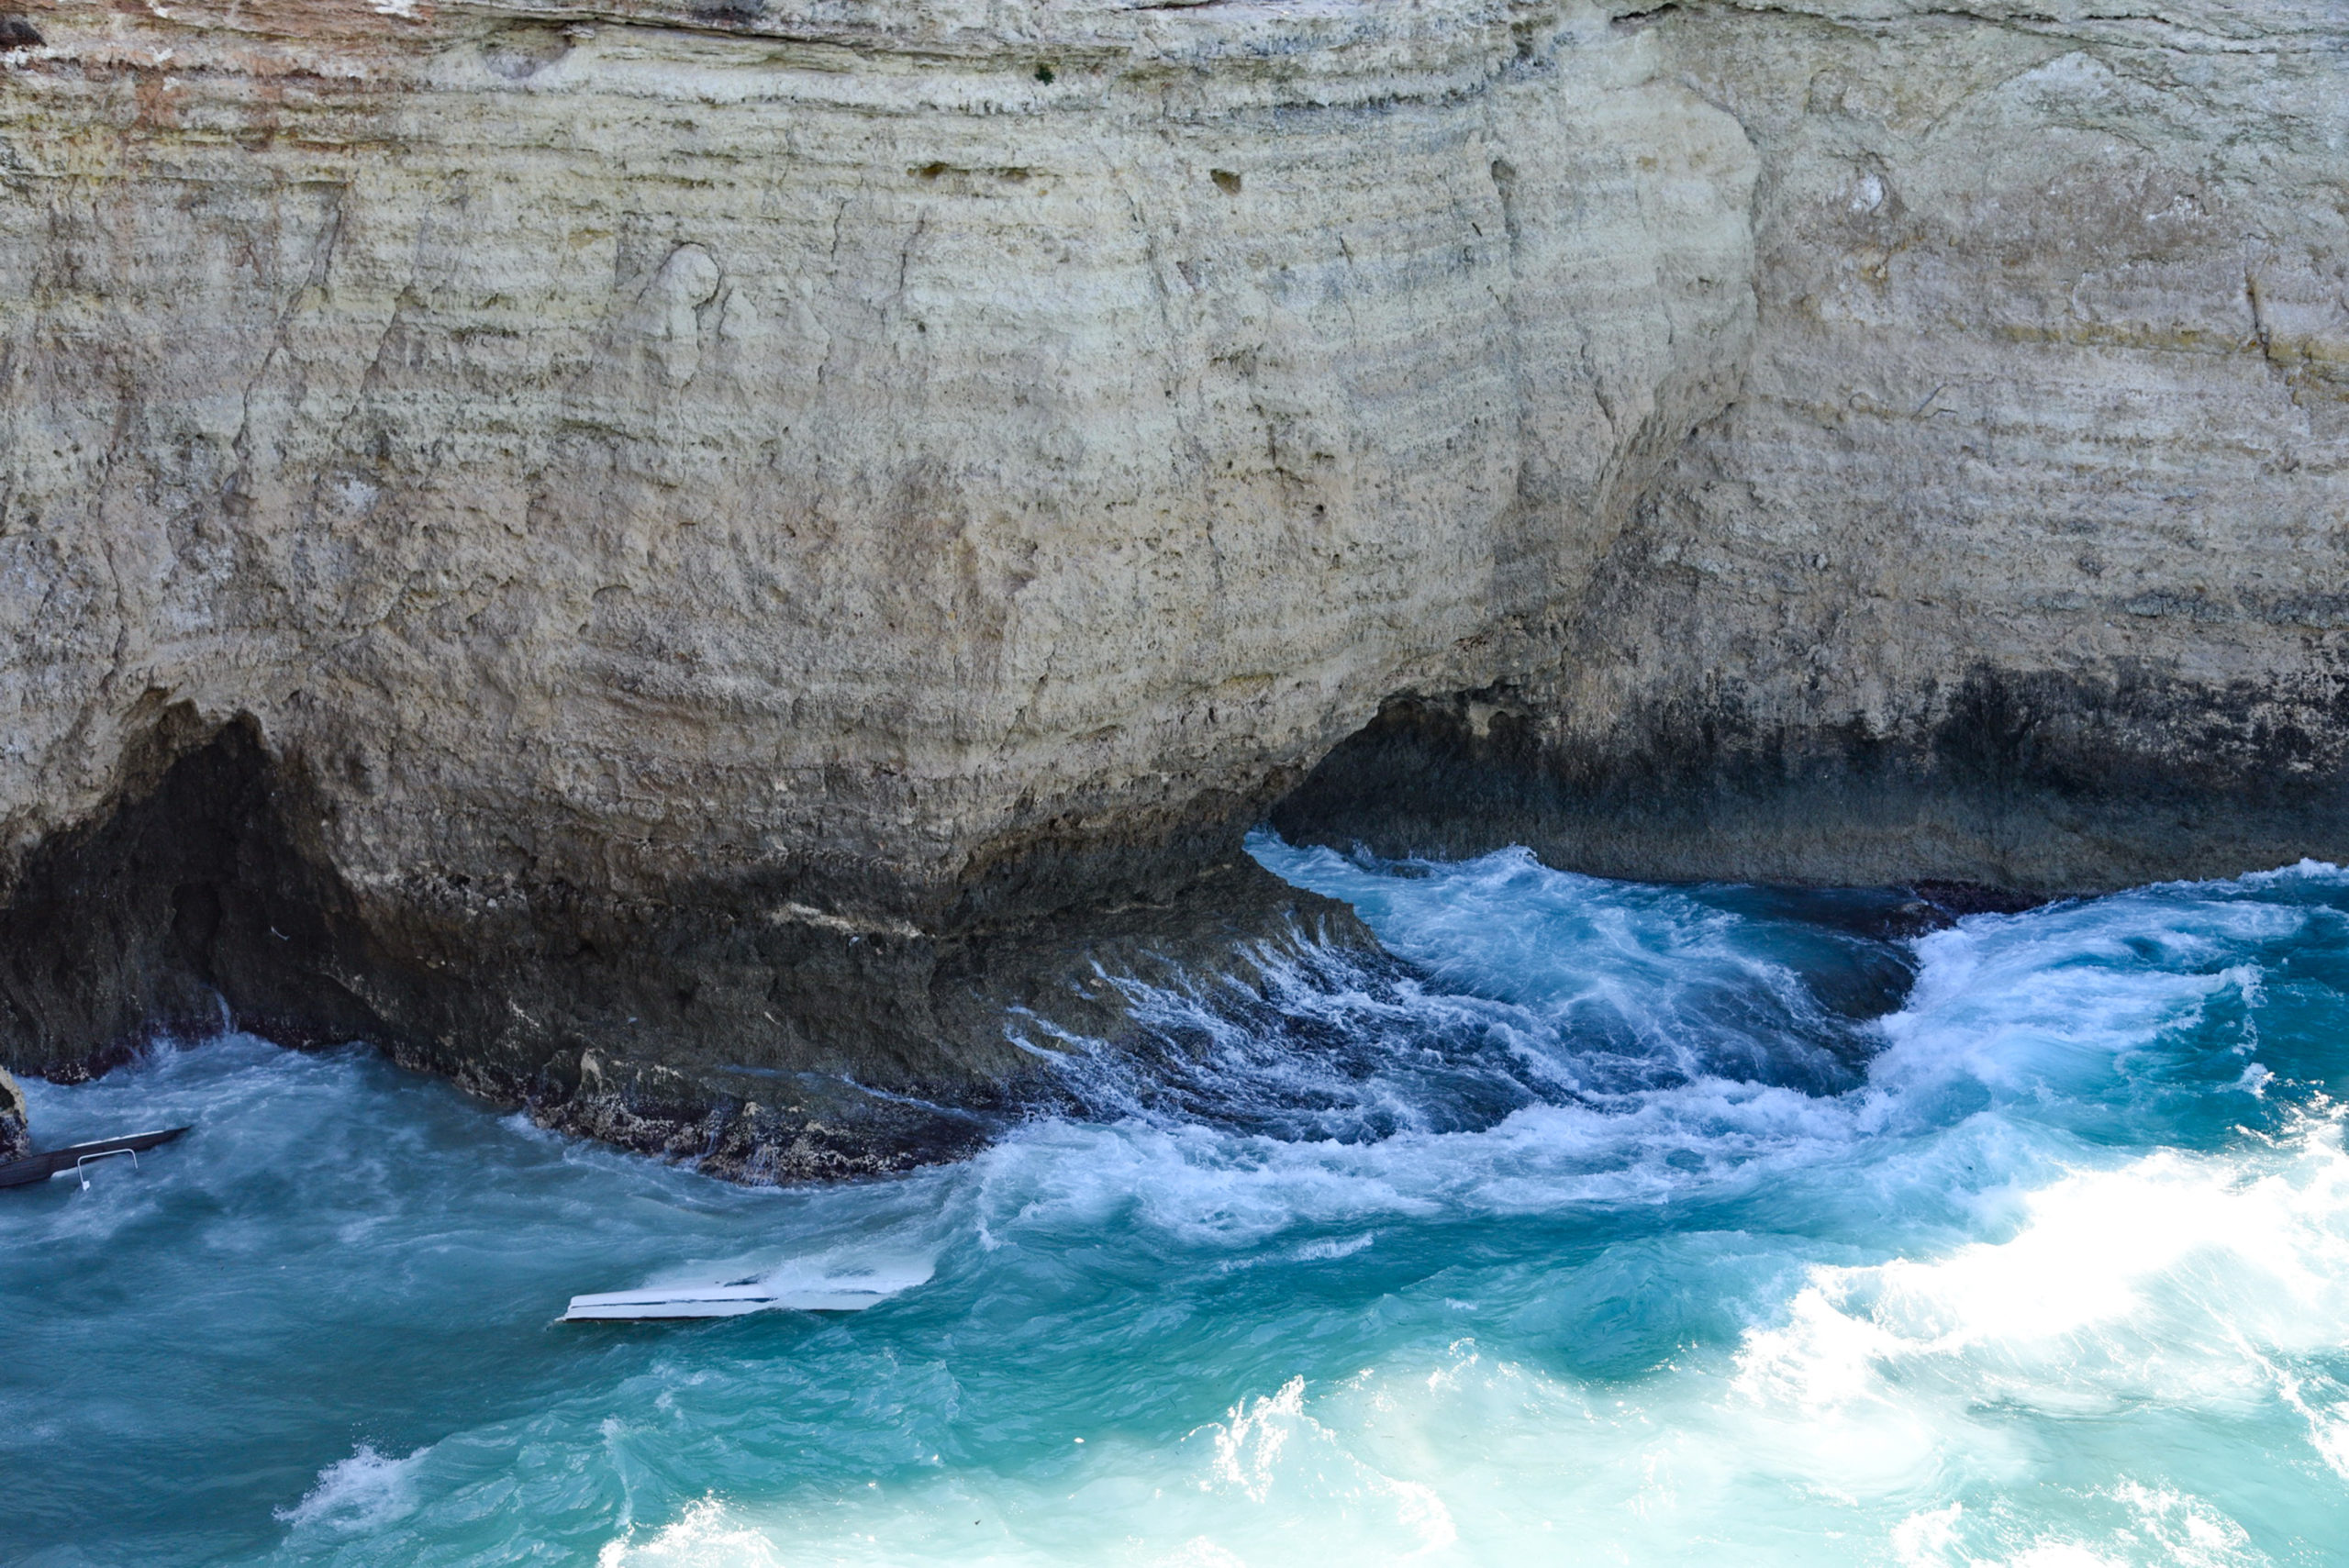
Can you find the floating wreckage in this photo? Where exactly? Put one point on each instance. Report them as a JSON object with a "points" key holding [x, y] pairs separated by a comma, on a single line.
{"points": [[716, 1301], [788, 1289], [76, 1157]]}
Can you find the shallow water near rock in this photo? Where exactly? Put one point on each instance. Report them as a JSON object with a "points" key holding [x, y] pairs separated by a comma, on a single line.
{"points": [[1607, 1223]]}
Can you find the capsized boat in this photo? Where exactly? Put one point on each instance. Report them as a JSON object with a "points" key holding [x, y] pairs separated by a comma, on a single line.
{"points": [[39, 1167], [846, 1279], [731, 1300]]}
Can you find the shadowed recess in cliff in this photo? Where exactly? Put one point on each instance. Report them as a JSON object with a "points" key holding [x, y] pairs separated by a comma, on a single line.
{"points": [[2036, 782], [190, 902], [196, 904]]}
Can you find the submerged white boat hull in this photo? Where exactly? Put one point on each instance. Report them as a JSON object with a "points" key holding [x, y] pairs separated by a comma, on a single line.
{"points": [[717, 1301]]}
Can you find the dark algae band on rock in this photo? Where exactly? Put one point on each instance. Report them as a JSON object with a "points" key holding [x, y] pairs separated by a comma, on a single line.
{"points": [[680, 564], [2045, 786]]}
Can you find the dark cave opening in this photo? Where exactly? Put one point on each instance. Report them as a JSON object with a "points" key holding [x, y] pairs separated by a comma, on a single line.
{"points": [[190, 907]]}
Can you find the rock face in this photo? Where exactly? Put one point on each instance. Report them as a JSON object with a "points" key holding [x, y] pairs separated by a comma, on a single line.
{"points": [[659, 557], [2021, 555], [15, 1136]]}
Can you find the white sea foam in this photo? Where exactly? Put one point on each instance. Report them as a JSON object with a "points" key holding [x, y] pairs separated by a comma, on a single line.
{"points": [[2050, 1004], [703, 1536], [362, 1493], [2201, 1281]]}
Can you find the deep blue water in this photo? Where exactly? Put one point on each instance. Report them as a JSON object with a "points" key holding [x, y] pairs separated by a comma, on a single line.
{"points": [[1609, 1223]]}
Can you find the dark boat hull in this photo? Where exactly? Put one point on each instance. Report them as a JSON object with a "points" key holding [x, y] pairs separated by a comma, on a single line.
{"points": [[50, 1162]]}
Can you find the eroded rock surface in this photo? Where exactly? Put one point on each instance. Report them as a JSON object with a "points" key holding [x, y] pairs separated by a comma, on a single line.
{"points": [[670, 559]]}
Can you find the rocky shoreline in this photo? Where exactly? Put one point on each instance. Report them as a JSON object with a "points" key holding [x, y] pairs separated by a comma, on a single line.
{"points": [[672, 562]]}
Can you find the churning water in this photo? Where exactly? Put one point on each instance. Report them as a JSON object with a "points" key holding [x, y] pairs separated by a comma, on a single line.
{"points": [[1608, 1224]]}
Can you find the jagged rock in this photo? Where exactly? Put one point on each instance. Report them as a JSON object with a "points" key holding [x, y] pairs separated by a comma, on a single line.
{"points": [[721, 539]]}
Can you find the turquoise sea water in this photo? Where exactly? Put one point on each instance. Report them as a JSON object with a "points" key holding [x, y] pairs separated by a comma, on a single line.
{"points": [[1608, 1224]]}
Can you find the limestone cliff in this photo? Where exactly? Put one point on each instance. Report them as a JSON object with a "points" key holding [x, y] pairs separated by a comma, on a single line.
{"points": [[2022, 553], [656, 556]]}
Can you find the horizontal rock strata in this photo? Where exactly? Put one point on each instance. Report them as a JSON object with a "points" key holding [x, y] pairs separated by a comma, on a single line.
{"points": [[2022, 554], [674, 561]]}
